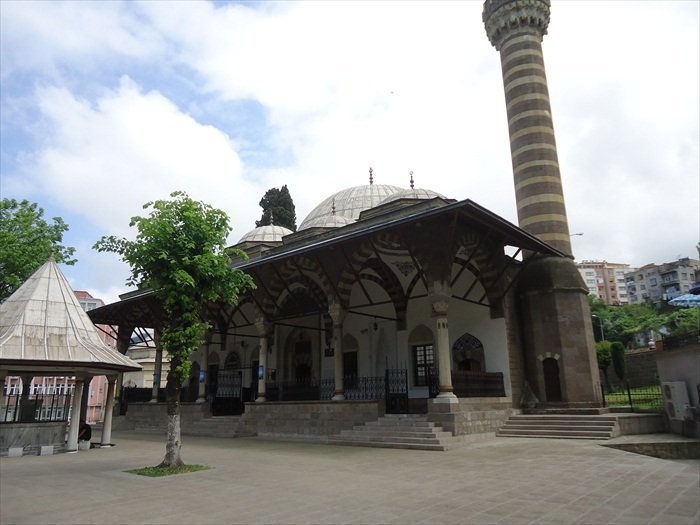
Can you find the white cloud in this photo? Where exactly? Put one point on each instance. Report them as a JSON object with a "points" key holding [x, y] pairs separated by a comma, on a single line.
{"points": [[106, 159], [347, 85]]}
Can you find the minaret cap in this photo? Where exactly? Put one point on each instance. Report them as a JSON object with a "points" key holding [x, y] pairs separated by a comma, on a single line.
{"points": [[505, 18]]}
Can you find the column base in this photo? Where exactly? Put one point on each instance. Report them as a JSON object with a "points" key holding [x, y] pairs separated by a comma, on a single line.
{"points": [[260, 399], [446, 397], [338, 397], [153, 400], [201, 400]]}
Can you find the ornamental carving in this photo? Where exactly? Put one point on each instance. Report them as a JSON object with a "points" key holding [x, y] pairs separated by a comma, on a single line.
{"points": [[406, 268], [440, 308], [504, 18]]}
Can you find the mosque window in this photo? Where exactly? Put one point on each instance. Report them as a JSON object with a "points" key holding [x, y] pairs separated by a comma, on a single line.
{"points": [[423, 361]]}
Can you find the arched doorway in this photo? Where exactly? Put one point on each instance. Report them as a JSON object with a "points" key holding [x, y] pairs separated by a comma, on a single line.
{"points": [[552, 384]]}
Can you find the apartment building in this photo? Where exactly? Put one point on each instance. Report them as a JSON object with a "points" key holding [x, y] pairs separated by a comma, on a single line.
{"points": [[606, 280], [657, 282]]}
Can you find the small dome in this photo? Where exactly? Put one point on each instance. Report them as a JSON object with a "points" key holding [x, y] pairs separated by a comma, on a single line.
{"points": [[328, 221], [413, 193], [350, 202], [269, 233]]}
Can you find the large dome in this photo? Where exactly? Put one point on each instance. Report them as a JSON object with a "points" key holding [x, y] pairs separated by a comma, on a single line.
{"points": [[350, 202], [413, 193], [268, 233]]}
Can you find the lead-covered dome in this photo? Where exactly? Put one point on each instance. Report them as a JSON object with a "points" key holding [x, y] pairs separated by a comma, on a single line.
{"points": [[349, 203], [265, 234], [413, 193]]}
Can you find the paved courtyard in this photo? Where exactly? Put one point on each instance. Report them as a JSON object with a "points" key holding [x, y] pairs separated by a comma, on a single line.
{"points": [[504, 480]]}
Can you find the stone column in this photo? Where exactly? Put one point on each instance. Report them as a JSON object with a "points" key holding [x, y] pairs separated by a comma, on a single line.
{"points": [[440, 302], [203, 368], [337, 313], [72, 444], [262, 327], [109, 407], [515, 28], [158, 369], [3, 376]]}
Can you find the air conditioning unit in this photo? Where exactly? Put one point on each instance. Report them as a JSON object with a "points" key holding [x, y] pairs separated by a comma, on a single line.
{"points": [[675, 399]]}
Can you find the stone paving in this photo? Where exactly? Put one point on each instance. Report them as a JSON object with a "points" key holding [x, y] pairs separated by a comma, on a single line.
{"points": [[503, 480]]}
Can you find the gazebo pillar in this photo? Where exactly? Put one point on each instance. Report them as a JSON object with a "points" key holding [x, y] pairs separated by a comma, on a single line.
{"points": [[72, 444], [157, 371], [86, 397], [109, 406]]}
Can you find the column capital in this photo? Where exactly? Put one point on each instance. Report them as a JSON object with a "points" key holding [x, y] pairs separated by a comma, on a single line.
{"points": [[337, 313], [262, 325], [505, 18]]}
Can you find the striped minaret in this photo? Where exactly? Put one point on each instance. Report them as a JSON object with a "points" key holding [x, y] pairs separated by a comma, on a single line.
{"points": [[515, 28]]}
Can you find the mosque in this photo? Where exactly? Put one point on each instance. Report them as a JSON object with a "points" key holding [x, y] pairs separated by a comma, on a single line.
{"points": [[391, 300]]}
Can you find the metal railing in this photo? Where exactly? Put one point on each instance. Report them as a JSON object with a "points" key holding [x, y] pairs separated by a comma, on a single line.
{"points": [[636, 399], [478, 384], [35, 408]]}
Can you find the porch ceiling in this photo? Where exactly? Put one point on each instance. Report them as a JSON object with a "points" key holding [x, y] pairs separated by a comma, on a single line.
{"points": [[330, 252]]}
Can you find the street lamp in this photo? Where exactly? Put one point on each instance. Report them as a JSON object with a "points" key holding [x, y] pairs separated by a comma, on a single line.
{"points": [[600, 321]]}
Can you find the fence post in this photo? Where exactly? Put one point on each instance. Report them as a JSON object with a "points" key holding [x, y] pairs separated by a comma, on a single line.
{"points": [[629, 395], [602, 390]]}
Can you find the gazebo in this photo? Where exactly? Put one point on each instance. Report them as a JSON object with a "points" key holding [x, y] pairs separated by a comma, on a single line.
{"points": [[44, 331]]}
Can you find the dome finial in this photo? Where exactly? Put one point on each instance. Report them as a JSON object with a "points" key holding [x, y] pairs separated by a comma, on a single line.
{"points": [[411, 173], [371, 179], [272, 218], [333, 207]]}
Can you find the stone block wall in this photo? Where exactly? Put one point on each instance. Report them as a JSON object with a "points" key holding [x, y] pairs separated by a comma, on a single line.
{"points": [[153, 417], [477, 415], [32, 438], [641, 369], [309, 420]]}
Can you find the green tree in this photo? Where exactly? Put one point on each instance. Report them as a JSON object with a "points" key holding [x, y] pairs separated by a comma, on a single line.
{"points": [[604, 355], [26, 242], [617, 353], [278, 206], [179, 253]]}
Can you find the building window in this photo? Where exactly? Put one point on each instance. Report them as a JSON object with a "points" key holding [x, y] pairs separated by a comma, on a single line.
{"points": [[423, 361], [652, 281], [349, 369]]}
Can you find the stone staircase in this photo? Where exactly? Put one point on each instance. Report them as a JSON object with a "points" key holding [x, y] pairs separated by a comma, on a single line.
{"points": [[216, 426], [560, 426], [408, 431]]}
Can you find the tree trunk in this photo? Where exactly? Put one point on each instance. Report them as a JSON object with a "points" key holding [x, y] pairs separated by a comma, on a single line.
{"points": [[173, 444]]}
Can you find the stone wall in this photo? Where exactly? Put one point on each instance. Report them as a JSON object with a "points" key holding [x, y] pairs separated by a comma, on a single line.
{"points": [[641, 369], [153, 417], [308, 420], [474, 415], [17, 439]]}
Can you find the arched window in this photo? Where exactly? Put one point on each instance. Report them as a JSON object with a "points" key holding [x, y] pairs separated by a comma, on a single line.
{"points": [[468, 354], [233, 361]]}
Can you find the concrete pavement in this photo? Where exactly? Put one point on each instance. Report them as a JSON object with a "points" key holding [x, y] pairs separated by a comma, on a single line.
{"points": [[503, 480]]}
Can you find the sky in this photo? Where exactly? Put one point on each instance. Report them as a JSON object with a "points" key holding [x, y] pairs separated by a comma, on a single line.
{"points": [[105, 106]]}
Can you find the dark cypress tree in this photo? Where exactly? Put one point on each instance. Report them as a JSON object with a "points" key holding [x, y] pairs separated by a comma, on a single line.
{"points": [[278, 207]]}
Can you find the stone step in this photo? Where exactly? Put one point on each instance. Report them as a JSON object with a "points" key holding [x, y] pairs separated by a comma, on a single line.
{"points": [[387, 439], [400, 423], [589, 434], [535, 426], [548, 436], [387, 444], [404, 433], [572, 417]]}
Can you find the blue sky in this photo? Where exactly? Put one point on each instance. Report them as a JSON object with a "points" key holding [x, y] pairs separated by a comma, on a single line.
{"points": [[107, 105]]}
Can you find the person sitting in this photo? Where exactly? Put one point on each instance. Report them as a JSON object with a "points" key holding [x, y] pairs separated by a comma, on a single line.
{"points": [[84, 432]]}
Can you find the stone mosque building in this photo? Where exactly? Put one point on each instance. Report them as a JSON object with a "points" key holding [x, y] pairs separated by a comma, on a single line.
{"points": [[392, 300]]}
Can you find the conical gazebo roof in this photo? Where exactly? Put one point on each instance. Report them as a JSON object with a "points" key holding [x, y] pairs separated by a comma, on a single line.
{"points": [[43, 328]]}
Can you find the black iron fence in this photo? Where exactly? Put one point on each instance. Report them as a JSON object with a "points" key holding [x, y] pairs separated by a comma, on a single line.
{"points": [[636, 399], [36, 408]]}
